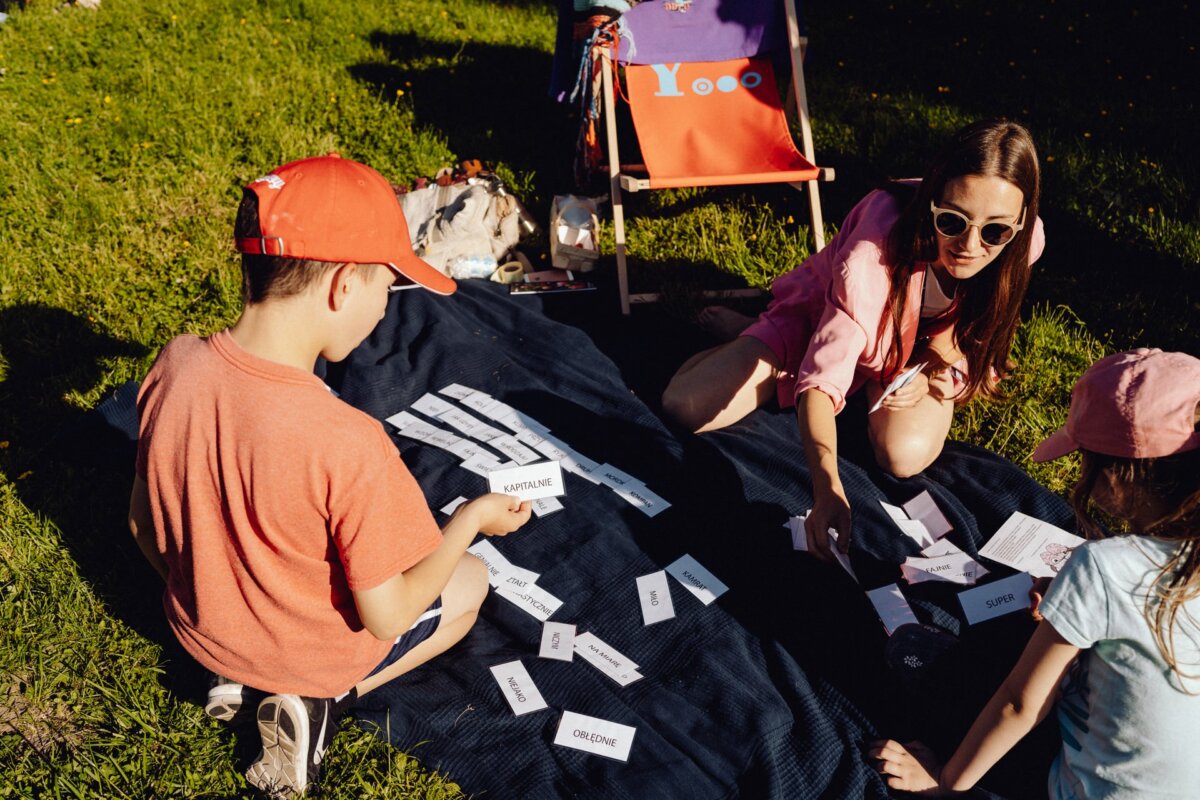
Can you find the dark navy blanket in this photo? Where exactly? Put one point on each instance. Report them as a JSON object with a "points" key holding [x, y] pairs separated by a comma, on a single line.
{"points": [[772, 691]]}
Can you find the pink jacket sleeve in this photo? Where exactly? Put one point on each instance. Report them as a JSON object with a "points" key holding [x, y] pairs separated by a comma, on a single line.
{"points": [[844, 332]]}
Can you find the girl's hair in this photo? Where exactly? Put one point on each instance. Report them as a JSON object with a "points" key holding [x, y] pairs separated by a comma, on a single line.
{"points": [[265, 277], [988, 305], [1174, 482]]}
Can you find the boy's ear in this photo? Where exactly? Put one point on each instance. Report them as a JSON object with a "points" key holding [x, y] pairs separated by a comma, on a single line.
{"points": [[340, 284]]}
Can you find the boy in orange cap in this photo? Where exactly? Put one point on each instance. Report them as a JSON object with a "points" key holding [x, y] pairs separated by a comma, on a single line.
{"points": [[299, 555]]}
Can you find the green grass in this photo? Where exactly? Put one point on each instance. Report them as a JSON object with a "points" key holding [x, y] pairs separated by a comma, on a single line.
{"points": [[129, 131]]}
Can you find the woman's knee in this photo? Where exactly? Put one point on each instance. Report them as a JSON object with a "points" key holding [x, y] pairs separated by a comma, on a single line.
{"points": [[682, 406], [906, 455]]}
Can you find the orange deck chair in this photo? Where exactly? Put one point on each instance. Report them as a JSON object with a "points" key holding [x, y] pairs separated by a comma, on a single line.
{"points": [[715, 122]]}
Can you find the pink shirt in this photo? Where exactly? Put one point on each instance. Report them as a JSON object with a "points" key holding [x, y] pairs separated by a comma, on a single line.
{"points": [[272, 501], [825, 322]]}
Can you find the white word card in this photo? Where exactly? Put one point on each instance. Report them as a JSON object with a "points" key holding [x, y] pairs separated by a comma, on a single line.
{"points": [[402, 420], [453, 505], [615, 478], [606, 658], [696, 579], [517, 687], [456, 391], [497, 565], [643, 499], [655, 595], [528, 482], [432, 405], [593, 735], [544, 506], [1031, 545], [558, 641], [923, 508], [892, 608], [953, 567], [533, 599], [912, 528], [901, 380], [996, 599]]}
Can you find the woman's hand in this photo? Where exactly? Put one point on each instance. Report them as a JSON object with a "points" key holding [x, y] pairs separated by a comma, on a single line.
{"points": [[830, 510], [910, 767], [908, 395]]}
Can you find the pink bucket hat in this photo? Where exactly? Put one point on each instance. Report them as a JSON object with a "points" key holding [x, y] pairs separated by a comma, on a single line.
{"points": [[1136, 404]]}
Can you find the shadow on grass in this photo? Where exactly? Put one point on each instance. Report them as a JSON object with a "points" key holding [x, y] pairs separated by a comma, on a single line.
{"points": [[74, 469], [489, 101]]}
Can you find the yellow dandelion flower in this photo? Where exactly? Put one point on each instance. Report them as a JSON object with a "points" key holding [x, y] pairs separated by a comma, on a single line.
{"points": [[408, 84], [242, 21], [1150, 209], [790, 219], [1087, 134], [107, 100], [4, 445], [754, 237], [186, 243], [399, 93]]}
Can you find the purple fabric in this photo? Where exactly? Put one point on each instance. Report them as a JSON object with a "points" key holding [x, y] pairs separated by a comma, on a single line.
{"points": [[661, 31]]}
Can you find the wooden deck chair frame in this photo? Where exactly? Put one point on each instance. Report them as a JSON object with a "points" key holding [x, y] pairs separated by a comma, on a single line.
{"points": [[620, 176]]}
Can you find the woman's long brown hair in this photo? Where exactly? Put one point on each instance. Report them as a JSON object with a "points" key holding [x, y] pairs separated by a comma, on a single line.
{"points": [[987, 308]]}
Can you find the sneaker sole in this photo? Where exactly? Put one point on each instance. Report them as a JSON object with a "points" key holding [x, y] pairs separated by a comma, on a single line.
{"points": [[224, 701], [281, 770]]}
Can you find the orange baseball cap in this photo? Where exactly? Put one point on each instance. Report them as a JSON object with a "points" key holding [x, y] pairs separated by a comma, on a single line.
{"points": [[328, 208]]}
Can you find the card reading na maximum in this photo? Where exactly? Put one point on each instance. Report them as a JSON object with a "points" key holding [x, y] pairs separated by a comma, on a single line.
{"points": [[529, 482]]}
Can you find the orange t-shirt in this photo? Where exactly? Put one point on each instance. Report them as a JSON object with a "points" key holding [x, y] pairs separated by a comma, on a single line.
{"points": [[272, 500]]}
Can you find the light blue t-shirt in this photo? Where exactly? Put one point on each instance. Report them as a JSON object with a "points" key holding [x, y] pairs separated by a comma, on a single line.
{"points": [[1129, 730]]}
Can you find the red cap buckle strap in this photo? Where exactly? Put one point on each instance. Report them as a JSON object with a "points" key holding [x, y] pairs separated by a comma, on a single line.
{"points": [[261, 246]]}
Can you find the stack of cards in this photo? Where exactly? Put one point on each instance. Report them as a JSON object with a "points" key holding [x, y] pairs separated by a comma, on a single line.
{"points": [[920, 519], [942, 561], [515, 584], [528, 443]]}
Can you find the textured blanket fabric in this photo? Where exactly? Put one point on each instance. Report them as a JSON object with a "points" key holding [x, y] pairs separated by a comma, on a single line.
{"points": [[772, 691]]}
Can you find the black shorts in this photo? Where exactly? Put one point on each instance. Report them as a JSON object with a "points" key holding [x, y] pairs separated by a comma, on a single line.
{"points": [[421, 630]]}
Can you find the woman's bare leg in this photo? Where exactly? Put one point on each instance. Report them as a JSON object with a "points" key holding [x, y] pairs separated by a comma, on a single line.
{"points": [[718, 387], [722, 322], [908, 440]]}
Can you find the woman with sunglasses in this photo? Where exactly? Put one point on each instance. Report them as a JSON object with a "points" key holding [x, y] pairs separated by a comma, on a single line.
{"points": [[944, 261]]}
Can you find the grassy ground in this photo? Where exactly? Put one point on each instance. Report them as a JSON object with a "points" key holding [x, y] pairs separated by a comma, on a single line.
{"points": [[128, 130]]}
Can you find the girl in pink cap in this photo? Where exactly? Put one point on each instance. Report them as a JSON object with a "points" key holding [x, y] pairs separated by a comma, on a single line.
{"points": [[928, 272], [1119, 638]]}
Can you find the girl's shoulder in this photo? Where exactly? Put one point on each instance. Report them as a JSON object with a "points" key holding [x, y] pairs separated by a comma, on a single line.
{"points": [[1129, 557]]}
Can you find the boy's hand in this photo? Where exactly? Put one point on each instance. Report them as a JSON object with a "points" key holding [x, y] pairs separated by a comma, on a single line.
{"points": [[498, 514], [911, 767]]}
